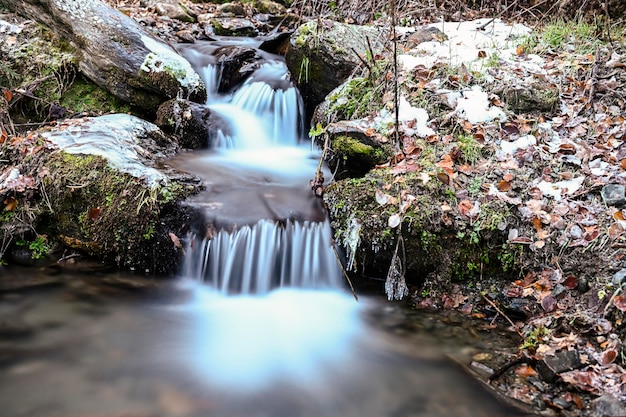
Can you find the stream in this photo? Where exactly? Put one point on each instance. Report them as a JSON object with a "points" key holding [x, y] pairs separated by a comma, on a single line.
{"points": [[259, 321]]}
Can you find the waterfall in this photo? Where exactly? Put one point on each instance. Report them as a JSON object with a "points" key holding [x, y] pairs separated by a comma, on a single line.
{"points": [[265, 117]]}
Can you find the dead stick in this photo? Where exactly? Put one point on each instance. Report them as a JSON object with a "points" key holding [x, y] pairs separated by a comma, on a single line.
{"points": [[345, 274], [503, 315]]}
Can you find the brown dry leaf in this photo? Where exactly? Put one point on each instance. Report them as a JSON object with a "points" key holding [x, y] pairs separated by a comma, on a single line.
{"points": [[504, 186], [8, 95], [526, 371], [615, 230], [574, 398], [520, 50], [622, 164], [619, 215], [10, 204], [548, 303], [446, 164], [570, 282], [443, 177], [619, 301], [464, 207], [608, 356], [175, 240], [94, 213]]}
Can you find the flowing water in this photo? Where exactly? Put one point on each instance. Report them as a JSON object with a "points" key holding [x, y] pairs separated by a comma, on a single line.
{"points": [[258, 324]]}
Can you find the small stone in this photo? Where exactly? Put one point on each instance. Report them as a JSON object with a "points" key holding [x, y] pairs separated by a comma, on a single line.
{"points": [[608, 406], [613, 194], [552, 365], [619, 276]]}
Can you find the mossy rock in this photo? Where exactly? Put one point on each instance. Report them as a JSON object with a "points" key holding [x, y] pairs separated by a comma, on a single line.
{"points": [[321, 55], [453, 249], [537, 96], [110, 215], [39, 62], [83, 96]]}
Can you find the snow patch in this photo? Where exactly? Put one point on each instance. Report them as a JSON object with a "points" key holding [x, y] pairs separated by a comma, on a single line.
{"points": [[556, 189], [469, 42], [509, 148], [474, 106], [113, 137], [163, 58]]}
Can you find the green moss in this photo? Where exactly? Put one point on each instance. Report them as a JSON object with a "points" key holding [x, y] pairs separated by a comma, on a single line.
{"points": [[85, 96], [103, 211]]}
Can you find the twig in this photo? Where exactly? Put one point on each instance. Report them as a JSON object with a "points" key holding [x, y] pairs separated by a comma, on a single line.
{"points": [[363, 61], [594, 76], [503, 315], [345, 274]]}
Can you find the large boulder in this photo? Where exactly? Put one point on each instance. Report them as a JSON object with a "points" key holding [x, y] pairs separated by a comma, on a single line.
{"points": [[96, 187], [323, 54], [116, 52]]}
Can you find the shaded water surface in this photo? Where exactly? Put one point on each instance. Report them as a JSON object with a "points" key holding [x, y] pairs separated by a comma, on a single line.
{"points": [[178, 349]]}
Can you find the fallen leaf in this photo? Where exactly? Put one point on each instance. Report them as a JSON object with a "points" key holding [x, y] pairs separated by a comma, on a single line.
{"points": [[94, 213], [175, 240], [8, 95], [619, 301], [382, 198], [464, 207], [570, 282], [526, 371], [394, 220], [548, 303], [10, 204], [504, 186], [608, 356]]}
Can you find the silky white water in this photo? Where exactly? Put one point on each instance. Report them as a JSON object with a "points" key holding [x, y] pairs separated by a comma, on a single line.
{"points": [[269, 304]]}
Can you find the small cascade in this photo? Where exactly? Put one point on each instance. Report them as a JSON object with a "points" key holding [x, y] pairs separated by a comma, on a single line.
{"points": [[265, 117], [258, 258]]}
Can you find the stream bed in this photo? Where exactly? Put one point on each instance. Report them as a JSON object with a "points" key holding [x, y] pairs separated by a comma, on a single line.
{"points": [[124, 345]]}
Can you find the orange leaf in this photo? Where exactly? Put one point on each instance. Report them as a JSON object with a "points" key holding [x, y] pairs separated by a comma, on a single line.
{"points": [[525, 371], [620, 302], [10, 204], [520, 50], [8, 95], [504, 186]]}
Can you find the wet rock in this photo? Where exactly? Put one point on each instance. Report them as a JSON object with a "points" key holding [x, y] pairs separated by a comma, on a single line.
{"points": [[323, 54], [232, 9], [116, 52], [195, 125], [173, 11], [354, 152], [425, 34], [613, 194], [233, 26], [237, 63], [608, 406], [268, 7], [552, 365], [276, 43]]}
